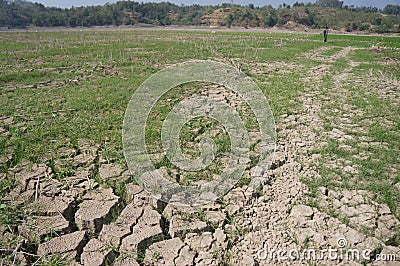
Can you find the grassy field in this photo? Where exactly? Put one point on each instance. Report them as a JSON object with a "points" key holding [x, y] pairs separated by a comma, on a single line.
{"points": [[59, 89]]}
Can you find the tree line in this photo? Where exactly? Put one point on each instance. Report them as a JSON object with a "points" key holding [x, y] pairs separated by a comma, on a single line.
{"points": [[22, 14]]}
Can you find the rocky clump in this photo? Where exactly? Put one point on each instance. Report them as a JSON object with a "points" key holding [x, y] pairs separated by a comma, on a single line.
{"points": [[180, 225], [55, 206], [107, 171], [96, 209], [28, 177], [37, 228], [96, 253], [147, 230], [362, 212], [113, 233], [165, 253], [70, 246]]}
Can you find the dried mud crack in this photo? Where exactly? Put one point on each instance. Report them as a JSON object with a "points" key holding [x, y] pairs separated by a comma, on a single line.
{"points": [[80, 218]]}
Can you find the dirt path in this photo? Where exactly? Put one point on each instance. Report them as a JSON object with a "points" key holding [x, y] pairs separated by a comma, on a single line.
{"points": [[280, 220]]}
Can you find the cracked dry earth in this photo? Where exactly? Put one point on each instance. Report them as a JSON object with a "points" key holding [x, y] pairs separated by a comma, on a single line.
{"points": [[88, 224]]}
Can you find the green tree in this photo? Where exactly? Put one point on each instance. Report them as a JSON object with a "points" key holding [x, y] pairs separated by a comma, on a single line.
{"points": [[270, 21], [392, 9]]}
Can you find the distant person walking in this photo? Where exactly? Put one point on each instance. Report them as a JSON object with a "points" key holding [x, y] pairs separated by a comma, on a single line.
{"points": [[326, 34]]}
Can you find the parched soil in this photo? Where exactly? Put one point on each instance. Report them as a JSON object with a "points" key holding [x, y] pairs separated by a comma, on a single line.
{"points": [[79, 220]]}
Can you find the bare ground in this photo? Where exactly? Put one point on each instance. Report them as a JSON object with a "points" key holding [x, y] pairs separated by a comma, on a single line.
{"points": [[90, 225]]}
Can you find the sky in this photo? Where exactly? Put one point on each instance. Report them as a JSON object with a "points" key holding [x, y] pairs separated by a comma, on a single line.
{"points": [[275, 3]]}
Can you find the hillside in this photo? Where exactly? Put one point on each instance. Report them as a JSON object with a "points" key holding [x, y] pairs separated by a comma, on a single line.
{"points": [[22, 14]]}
